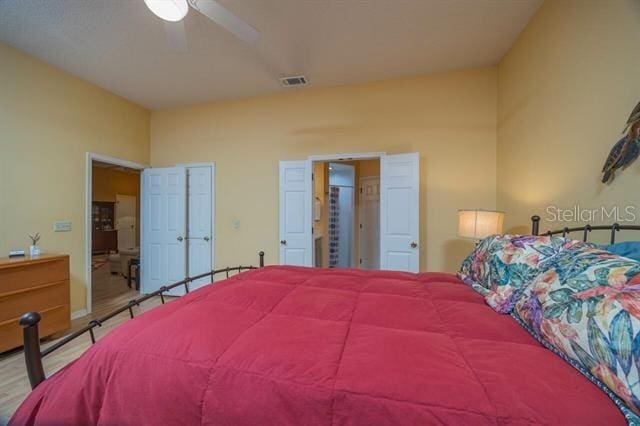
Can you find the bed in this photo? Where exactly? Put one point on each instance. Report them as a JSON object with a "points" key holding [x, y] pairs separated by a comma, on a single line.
{"points": [[292, 345]]}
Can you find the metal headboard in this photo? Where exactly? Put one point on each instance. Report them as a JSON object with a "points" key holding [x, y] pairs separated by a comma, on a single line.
{"points": [[586, 229]]}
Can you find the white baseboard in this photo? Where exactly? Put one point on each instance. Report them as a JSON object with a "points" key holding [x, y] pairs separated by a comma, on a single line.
{"points": [[78, 314]]}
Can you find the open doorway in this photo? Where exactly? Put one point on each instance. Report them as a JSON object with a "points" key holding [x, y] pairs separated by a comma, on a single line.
{"points": [[115, 234], [126, 221], [304, 201], [346, 227]]}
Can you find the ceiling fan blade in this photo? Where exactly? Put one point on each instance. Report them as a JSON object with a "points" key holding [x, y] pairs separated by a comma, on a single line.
{"points": [[225, 18], [176, 36]]}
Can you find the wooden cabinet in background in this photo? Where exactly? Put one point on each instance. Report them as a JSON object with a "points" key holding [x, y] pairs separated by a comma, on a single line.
{"points": [[38, 284], [103, 215], [104, 241], [104, 237]]}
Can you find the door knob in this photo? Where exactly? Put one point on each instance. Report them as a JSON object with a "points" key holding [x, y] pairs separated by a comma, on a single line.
{"points": [[414, 245], [206, 238], [283, 242], [180, 238]]}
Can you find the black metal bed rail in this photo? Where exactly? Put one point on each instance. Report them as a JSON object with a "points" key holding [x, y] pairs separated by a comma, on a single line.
{"points": [[29, 322], [586, 229]]}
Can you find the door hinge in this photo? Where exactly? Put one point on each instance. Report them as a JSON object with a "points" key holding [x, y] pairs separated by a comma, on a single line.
{"points": [[313, 176], [361, 190], [360, 226], [361, 261]]}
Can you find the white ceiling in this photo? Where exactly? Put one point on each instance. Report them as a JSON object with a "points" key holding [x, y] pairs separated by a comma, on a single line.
{"points": [[121, 46]]}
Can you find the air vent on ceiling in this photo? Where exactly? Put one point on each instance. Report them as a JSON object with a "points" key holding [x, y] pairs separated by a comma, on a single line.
{"points": [[298, 80]]}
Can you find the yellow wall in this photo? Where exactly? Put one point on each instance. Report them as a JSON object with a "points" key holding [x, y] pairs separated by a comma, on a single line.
{"points": [[107, 183], [368, 168], [566, 89], [536, 129], [48, 121], [450, 118]]}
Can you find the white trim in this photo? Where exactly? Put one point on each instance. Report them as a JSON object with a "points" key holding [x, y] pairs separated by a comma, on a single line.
{"points": [[88, 192], [78, 314], [204, 164], [311, 188], [142, 214], [348, 156], [115, 161]]}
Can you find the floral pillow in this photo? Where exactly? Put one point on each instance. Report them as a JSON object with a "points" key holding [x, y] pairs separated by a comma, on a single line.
{"points": [[501, 266], [587, 307]]}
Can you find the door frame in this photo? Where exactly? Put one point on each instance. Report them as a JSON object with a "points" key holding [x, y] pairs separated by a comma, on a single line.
{"points": [[88, 194], [342, 157], [214, 236], [347, 157]]}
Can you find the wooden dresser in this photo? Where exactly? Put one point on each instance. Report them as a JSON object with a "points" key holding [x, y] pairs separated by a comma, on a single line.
{"points": [[33, 284]]}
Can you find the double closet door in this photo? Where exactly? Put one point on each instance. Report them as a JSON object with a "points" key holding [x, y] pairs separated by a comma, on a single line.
{"points": [[399, 212], [177, 226]]}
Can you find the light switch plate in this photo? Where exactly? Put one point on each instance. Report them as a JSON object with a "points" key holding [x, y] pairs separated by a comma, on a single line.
{"points": [[62, 226]]}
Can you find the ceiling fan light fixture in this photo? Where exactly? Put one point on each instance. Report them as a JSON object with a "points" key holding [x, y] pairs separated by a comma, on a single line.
{"points": [[169, 10]]}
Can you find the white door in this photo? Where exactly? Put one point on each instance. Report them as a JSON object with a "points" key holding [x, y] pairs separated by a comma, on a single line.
{"points": [[126, 221], [370, 222], [295, 213], [399, 212], [164, 227], [200, 223]]}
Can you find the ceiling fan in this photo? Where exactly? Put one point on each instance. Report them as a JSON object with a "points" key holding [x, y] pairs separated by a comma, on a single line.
{"points": [[174, 11]]}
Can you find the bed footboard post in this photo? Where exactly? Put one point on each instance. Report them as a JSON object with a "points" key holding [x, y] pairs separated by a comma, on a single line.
{"points": [[261, 254], [32, 355], [535, 224], [614, 228]]}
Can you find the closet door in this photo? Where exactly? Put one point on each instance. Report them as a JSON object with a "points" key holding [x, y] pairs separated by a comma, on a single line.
{"points": [[399, 212], [164, 227], [296, 195], [200, 223]]}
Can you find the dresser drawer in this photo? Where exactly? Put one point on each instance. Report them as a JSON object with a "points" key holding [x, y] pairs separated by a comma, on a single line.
{"points": [[54, 319], [37, 298], [39, 284], [21, 276]]}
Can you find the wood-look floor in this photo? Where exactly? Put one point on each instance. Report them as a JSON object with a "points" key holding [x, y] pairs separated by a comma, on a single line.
{"points": [[109, 292]]}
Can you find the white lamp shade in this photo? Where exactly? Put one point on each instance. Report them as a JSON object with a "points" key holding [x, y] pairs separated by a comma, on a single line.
{"points": [[169, 10], [478, 224]]}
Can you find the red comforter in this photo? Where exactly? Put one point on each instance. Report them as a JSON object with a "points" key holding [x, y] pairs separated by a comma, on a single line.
{"points": [[301, 346]]}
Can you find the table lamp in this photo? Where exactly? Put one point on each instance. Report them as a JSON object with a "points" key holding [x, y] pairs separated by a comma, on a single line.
{"points": [[479, 224]]}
